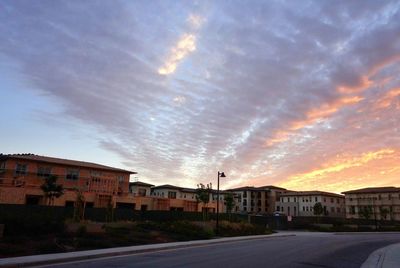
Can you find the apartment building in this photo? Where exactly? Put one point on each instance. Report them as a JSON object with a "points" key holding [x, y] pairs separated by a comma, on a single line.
{"points": [[139, 188], [21, 176], [256, 200], [382, 202], [302, 203], [170, 197]]}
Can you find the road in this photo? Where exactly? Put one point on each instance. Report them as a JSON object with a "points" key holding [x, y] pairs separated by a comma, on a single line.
{"points": [[305, 250]]}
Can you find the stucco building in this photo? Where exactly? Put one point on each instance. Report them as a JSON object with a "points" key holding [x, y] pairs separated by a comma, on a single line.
{"points": [[302, 203], [256, 200], [382, 202], [171, 197], [21, 176]]}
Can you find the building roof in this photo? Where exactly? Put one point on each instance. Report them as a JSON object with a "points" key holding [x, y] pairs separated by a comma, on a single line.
{"points": [[253, 188], [372, 190], [304, 193], [139, 183], [167, 186], [244, 188], [61, 161], [188, 190], [272, 187]]}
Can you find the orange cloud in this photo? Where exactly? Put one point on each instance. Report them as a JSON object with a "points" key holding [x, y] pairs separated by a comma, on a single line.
{"points": [[388, 99], [312, 117], [365, 84], [352, 172]]}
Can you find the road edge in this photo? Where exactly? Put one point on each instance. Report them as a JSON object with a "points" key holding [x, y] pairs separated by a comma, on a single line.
{"points": [[380, 258], [46, 259]]}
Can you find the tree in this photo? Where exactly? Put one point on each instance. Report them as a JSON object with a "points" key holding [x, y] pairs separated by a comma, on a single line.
{"points": [[384, 212], [318, 210], [79, 206], [229, 203], [203, 195], [366, 212], [51, 189]]}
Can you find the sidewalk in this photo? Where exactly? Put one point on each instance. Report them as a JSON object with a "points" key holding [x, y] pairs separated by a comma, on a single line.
{"points": [[47, 259], [387, 257]]}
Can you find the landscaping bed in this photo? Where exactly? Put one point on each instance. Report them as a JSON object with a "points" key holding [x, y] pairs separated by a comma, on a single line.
{"points": [[90, 235]]}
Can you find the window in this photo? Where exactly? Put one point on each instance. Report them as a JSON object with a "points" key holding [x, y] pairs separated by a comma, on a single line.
{"points": [[142, 192], [121, 178], [351, 199], [295, 199], [379, 197], [2, 166], [171, 195], [338, 210], [316, 199], [332, 209], [95, 173], [331, 200], [43, 172], [304, 208], [352, 210], [390, 197], [278, 208], [72, 174], [21, 169], [324, 199], [244, 194]]}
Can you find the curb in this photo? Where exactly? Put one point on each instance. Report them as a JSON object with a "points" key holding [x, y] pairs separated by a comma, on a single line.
{"points": [[380, 259], [47, 259]]}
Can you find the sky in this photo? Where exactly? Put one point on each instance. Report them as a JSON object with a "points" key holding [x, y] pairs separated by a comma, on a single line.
{"points": [[299, 94]]}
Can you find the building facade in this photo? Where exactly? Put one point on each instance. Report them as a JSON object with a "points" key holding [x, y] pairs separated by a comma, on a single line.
{"points": [[302, 203], [21, 176], [256, 200], [382, 203], [170, 197]]}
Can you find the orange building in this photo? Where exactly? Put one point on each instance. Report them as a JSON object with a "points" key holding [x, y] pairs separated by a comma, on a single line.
{"points": [[21, 176]]}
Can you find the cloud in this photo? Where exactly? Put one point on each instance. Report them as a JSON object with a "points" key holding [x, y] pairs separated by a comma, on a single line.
{"points": [[273, 91], [185, 45]]}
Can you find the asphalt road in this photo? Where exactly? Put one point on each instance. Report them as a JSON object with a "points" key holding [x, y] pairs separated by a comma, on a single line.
{"points": [[305, 250]]}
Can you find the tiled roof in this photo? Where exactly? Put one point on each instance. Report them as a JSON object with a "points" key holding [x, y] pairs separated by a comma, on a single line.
{"points": [[374, 190], [306, 193], [61, 161], [139, 183]]}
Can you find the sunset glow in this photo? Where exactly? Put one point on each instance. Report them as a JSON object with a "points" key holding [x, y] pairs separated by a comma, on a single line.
{"points": [[302, 96]]}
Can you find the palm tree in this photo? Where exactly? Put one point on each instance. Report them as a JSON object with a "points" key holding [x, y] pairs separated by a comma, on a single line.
{"points": [[51, 189]]}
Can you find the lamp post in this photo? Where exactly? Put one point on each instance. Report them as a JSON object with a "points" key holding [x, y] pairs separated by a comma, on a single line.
{"points": [[222, 175]]}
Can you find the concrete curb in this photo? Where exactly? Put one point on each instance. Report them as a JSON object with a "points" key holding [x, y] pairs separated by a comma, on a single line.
{"points": [[47, 259], [386, 257]]}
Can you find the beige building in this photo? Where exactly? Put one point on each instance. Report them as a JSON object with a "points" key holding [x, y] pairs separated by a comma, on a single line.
{"points": [[256, 200], [139, 188], [302, 203], [383, 203], [177, 198]]}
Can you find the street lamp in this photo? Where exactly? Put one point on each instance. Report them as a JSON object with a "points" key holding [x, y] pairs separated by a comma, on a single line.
{"points": [[220, 175]]}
